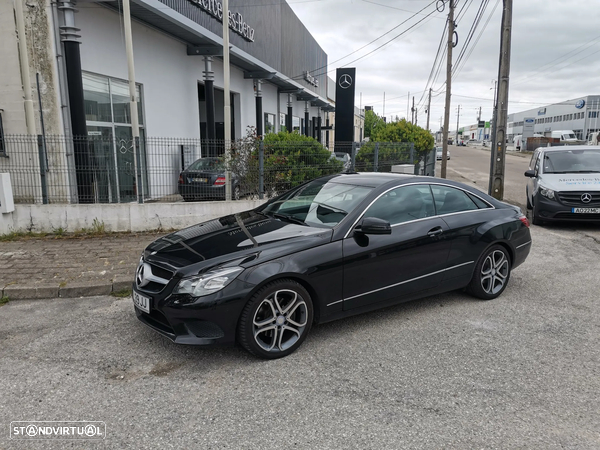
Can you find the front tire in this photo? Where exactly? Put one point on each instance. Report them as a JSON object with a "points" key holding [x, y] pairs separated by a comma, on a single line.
{"points": [[276, 320], [492, 273]]}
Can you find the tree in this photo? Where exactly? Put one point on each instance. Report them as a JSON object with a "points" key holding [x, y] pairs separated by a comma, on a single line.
{"points": [[372, 123]]}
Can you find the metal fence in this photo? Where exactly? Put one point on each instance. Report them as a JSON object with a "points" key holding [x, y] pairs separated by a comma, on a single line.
{"points": [[99, 169]]}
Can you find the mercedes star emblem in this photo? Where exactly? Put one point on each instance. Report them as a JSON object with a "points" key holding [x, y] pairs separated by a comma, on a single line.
{"points": [[140, 276], [586, 198], [345, 81]]}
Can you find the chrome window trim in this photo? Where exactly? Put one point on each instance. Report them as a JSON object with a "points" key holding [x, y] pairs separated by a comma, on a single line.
{"points": [[403, 282], [523, 245], [421, 183]]}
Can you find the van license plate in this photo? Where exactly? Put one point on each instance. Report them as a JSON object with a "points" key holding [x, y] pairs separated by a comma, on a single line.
{"points": [[141, 302], [586, 210]]}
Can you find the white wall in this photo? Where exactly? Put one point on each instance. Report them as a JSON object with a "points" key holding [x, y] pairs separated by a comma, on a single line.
{"points": [[117, 217]]}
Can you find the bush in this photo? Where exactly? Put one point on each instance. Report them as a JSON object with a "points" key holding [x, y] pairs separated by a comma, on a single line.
{"points": [[290, 159]]}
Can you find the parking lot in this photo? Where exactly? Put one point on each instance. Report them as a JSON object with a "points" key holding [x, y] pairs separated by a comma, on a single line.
{"points": [[444, 372]]}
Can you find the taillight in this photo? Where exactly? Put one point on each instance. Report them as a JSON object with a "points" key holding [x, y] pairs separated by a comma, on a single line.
{"points": [[219, 181], [181, 179], [523, 219]]}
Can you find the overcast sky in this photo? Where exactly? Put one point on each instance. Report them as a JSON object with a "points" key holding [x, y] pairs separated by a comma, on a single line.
{"points": [[555, 53]]}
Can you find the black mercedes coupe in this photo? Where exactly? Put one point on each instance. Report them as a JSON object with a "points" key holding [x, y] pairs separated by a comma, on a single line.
{"points": [[333, 247]]}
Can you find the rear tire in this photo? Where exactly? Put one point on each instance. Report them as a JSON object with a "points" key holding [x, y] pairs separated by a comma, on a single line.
{"points": [[492, 273], [276, 320]]}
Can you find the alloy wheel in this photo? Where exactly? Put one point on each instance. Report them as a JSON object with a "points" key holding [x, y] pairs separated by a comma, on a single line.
{"points": [[494, 272], [280, 320]]}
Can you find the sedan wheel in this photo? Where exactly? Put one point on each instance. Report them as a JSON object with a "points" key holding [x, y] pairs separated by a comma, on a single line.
{"points": [[491, 274], [276, 320]]}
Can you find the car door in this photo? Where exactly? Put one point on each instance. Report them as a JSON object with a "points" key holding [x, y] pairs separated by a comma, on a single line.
{"points": [[464, 213], [410, 259]]}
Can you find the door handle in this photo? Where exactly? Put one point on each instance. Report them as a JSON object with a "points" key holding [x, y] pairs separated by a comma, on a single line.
{"points": [[435, 232]]}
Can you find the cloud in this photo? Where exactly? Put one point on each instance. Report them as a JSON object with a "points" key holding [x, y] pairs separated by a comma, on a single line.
{"points": [[555, 53]]}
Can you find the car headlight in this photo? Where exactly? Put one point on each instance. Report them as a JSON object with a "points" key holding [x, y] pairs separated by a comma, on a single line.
{"points": [[548, 193], [207, 283]]}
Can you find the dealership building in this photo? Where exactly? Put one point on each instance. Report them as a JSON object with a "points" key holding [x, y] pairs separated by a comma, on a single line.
{"points": [[580, 115], [76, 61]]}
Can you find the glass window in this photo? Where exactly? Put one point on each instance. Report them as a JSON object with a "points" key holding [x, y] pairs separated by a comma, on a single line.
{"points": [[403, 204], [320, 203], [269, 123], [449, 200], [96, 97]]}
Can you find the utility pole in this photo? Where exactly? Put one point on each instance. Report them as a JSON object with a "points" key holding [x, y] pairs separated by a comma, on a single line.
{"points": [[428, 110], [383, 115], [448, 88], [412, 111], [502, 104], [457, 122], [493, 137], [407, 105], [479, 116]]}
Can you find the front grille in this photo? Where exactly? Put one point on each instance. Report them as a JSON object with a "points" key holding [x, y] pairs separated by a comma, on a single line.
{"points": [[152, 278], [574, 198], [572, 216], [206, 330]]}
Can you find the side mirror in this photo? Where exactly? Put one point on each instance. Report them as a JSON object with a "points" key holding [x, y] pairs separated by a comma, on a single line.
{"points": [[530, 173], [373, 225]]}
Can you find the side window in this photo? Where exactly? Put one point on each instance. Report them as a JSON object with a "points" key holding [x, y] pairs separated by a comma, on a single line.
{"points": [[449, 200], [480, 203], [403, 204]]}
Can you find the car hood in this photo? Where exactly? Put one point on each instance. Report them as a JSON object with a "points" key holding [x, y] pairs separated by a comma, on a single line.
{"points": [[571, 181], [244, 239]]}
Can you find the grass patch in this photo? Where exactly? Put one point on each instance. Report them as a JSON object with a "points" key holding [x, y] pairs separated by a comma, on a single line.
{"points": [[4, 300], [121, 294]]}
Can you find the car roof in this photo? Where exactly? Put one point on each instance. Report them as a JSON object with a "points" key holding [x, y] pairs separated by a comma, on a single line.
{"points": [[568, 147]]}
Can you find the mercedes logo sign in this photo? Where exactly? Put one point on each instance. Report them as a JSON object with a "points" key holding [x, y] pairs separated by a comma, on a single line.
{"points": [[586, 198], [345, 81]]}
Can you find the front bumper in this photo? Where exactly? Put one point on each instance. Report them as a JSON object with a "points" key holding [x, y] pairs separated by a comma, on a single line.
{"points": [[208, 320], [554, 211]]}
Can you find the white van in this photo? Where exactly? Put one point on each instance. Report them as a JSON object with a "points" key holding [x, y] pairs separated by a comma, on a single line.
{"points": [[564, 135]]}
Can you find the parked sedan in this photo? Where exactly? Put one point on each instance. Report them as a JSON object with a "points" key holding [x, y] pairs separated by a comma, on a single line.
{"points": [[333, 247], [564, 184], [204, 179]]}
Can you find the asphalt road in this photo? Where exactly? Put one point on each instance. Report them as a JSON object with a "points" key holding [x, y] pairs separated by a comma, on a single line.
{"points": [[448, 371], [473, 165], [521, 371]]}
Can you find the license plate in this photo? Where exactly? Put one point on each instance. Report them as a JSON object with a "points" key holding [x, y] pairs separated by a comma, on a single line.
{"points": [[200, 180], [141, 302], [586, 210]]}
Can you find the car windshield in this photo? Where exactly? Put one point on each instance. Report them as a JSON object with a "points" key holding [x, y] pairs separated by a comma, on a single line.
{"points": [[572, 161], [206, 164], [319, 203]]}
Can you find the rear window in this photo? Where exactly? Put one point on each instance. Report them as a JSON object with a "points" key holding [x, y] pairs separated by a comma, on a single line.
{"points": [[206, 164]]}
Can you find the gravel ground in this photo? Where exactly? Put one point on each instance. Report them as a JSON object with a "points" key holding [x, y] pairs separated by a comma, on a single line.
{"points": [[447, 371]]}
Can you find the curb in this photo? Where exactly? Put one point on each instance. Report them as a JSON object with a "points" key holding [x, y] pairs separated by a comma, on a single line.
{"points": [[72, 290]]}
